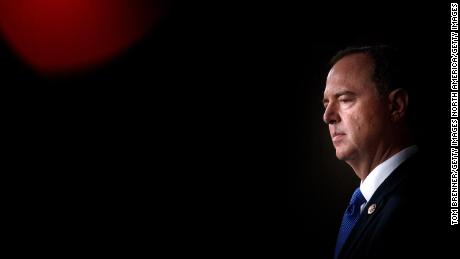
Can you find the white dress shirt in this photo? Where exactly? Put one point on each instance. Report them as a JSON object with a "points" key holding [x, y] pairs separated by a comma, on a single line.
{"points": [[382, 171]]}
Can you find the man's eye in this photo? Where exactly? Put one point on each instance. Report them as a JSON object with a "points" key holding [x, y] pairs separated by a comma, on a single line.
{"points": [[345, 100]]}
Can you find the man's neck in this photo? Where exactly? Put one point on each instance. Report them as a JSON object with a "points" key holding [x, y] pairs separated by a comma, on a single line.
{"points": [[364, 165]]}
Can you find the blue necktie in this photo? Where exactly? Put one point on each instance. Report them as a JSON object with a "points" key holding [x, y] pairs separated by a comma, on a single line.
{"points": [[350, 218]]}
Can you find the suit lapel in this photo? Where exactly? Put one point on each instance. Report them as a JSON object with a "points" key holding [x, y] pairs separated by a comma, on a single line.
{"points": [[378, 202]]}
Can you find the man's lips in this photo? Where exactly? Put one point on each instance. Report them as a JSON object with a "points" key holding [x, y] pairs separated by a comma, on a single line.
{"points": [[337, 136]]}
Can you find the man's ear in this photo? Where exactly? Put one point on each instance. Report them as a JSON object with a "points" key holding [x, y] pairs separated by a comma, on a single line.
{"points": [[398, 102]]}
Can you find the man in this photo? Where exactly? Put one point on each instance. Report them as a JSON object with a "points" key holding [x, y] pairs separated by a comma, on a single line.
{"points": [[366, 108]]}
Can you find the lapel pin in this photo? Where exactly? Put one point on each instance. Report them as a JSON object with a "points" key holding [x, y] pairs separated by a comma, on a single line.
{"points": [[371, 208]]}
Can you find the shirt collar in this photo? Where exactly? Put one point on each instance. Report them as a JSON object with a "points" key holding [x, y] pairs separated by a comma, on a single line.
{"points": [[383, 170]]}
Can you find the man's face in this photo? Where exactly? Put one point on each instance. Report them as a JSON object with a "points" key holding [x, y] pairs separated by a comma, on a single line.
{"points": [[357, 116]]}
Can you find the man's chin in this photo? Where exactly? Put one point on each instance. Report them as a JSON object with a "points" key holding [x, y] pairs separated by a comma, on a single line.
{"points": [[342, 155]]}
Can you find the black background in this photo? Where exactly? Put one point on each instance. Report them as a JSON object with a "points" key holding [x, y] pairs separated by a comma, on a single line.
{"points": [[206, 137]]}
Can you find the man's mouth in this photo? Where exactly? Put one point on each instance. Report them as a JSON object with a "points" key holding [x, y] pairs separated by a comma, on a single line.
{"points": [[337, 137]]}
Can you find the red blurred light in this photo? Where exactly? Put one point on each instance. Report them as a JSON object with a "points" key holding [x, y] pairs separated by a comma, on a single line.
{"points": [[68, 35]]}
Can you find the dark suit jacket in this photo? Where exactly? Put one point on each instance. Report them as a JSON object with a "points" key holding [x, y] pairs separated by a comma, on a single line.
{"points": [[408, 216]]}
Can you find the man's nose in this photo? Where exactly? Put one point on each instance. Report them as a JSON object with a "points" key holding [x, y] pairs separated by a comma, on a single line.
{"points": [[330, 115]]}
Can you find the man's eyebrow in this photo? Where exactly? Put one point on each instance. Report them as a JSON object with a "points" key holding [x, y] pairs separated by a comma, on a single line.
{"points": [[340, 93]]}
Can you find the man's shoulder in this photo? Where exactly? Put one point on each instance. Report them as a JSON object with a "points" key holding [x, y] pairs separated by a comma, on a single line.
{"points": [[395, 214], [407, 188], [413, 191]]}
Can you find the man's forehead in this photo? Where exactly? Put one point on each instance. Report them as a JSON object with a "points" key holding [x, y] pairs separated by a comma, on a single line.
{"points": [[330, 74], [349, 73], [355, 59], [355, 63]]}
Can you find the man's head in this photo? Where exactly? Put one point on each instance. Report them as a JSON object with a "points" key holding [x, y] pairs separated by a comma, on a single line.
{"points": [[365, 105]]}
